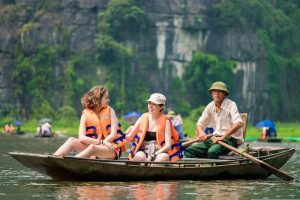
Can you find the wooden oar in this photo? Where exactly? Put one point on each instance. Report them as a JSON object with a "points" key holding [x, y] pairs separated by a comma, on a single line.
{"points": [[190, 142], [262, 164], [194, 140]]}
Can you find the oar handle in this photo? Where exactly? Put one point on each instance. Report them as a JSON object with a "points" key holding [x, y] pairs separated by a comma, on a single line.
{"points": [[190, 142], [195, 140], [262, 164]]}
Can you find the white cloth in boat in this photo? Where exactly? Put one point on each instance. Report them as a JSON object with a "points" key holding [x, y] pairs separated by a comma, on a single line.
{"points": [[149, 147]]}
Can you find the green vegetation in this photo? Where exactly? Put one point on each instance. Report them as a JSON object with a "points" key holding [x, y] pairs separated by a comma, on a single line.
{"points": [[117, 59], [202, 72], [50, 79], [27, 27], [276, 23], [283, 129], [30, 72], [123, 20], [68, 129], [71, 128]]}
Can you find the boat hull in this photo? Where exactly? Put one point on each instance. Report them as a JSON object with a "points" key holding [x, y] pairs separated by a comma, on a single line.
{"points": [[70, 168]]}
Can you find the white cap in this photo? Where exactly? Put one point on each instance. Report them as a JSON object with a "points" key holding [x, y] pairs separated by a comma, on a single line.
{"points": [[157, 98]]}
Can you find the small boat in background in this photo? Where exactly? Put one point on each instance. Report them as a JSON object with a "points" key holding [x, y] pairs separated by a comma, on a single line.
{"points": [[44, 128], [270, 139], [280, 139]]}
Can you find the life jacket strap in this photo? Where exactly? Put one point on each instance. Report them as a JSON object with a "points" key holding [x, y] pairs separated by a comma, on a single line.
{"points": [[92, 135], [91, 127], [177, 153]]}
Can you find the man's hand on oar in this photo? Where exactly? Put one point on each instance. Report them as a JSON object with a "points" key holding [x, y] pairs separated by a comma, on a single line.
{"points": [[217, 138]]}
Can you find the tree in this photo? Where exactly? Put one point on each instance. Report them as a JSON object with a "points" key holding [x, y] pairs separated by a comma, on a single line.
{"points": [[35, 80], [117, 59], [202, 72], [123, 20]]}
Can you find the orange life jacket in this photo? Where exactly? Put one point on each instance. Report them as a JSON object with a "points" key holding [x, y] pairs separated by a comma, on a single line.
{"points": [[100, 127], [174, 153]]}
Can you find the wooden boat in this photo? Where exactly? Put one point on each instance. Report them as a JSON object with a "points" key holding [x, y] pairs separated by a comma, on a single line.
{"points": [[227, 167], [272, 140]]}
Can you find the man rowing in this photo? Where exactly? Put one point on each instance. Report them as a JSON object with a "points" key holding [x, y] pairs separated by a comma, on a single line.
{"points": [[223, 115]]}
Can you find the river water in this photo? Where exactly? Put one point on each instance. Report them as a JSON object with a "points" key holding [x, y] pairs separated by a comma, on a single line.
{"points": [[19, 182]]}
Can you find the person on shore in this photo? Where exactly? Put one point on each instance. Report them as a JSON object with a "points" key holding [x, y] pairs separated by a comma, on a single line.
{"points": [[223, 115], [9, 129], [268, 132], [153, 135], [99, 132], [6, 129]]}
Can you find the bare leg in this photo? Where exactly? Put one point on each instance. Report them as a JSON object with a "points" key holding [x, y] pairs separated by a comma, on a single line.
{"points": [[72, 144], [162, 157], [140, 156], [100, 151]]}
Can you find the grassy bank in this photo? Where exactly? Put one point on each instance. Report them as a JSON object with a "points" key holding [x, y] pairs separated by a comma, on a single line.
{"points": [[71, 128], [283, 129], [65, 128]]}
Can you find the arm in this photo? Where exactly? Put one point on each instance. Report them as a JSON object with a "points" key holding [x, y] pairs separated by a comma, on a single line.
{"points": [[113, 129], [167, 145], [129, 129], [82, 128], [130, 135], [264, 133], [201, 124], [200, 133]]}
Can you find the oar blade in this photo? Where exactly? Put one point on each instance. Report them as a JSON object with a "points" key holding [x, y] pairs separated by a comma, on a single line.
{"points": [[277, 172], [261, 163]]}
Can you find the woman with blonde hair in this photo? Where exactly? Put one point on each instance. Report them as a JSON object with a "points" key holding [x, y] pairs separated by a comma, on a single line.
{"points": [[99, 132]]}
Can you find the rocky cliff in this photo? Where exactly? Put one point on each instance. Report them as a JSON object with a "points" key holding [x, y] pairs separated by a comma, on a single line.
{"points": [[178, 28]]}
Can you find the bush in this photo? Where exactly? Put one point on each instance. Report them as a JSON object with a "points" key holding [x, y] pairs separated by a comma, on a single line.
{"points": [[66, 116]]}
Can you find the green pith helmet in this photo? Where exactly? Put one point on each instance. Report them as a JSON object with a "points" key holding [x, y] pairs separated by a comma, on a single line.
{"points": [[219, 86]]}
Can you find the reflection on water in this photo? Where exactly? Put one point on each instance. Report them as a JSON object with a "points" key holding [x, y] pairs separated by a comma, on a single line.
{"points": [[215, 190], [121, 190], [19, 182]]}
